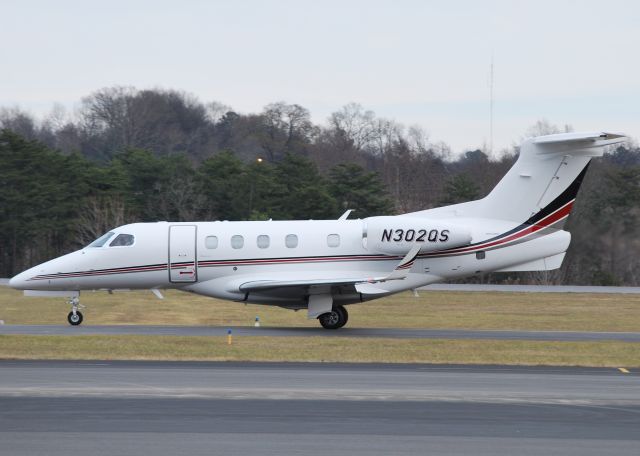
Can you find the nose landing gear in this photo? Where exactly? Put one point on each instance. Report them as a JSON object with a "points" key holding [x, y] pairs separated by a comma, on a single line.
{"points": [[75, 316]]}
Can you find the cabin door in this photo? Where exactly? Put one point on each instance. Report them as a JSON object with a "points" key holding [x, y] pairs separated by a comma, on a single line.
{"points": [[182, 253]]}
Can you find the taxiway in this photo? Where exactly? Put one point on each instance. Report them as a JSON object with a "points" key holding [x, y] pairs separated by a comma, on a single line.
{"points": [[561, 336], [68, 408]]}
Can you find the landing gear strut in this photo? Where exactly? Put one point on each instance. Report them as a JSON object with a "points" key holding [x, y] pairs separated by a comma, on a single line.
{"points": [[335, 319], [75, 316]]}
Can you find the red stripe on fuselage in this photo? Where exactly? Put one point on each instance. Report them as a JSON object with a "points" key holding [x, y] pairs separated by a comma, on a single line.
{"points": [[295, 260], [545, 222]]}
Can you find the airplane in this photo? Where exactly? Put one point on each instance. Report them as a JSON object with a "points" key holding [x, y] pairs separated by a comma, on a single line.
{"points": [[324, 265]]}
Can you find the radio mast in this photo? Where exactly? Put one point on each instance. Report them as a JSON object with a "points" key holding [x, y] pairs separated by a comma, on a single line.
{"points": [[491, 108]]}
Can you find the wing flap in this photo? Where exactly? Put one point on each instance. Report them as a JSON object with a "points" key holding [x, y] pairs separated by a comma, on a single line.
{"points": [[266, 284], [370, 289]]}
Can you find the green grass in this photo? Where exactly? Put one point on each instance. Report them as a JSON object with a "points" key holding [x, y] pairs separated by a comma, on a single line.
{"points": [[438, 310], [321, 349]]}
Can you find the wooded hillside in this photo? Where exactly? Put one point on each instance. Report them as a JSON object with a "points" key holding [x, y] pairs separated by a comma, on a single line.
{"points": [[145, 155]]}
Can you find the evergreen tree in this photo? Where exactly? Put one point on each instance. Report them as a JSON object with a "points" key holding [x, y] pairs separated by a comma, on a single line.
{"points": [[459, 189], [141, 176], [304, 193], [220, 181], [42, 192], [354, 188]]}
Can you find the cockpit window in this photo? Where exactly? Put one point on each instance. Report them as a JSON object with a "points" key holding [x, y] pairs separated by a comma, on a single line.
{"points": [[102, 240], [122, 240]]}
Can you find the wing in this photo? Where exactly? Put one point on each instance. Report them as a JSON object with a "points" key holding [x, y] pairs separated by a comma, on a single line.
{"points": [[400, 272]]}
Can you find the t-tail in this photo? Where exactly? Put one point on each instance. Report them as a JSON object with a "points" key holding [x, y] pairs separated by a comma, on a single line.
{"points": [[530, 203], [541, 185], [544, 181]]}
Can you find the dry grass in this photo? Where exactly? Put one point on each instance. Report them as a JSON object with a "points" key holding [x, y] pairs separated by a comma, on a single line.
{"points": [[321, 349], [460, 310], [526, 311]]}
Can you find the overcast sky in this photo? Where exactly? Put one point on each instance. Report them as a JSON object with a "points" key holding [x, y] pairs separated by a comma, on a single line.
{"points": [[418, 62]]}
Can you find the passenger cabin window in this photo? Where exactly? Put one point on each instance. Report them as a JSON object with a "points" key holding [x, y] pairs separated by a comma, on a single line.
{"points": [[333, 240], [291, 241], [237, 241], [211, 242], [263, 241], [122, 240], [102, 240]]}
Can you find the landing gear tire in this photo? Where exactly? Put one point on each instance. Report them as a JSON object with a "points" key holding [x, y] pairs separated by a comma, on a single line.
{"points": [[75, 316], [335, 319], [75, 319]]}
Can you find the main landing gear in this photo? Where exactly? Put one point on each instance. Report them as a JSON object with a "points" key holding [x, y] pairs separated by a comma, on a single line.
{"points": [[335, 319], [75, 316]]}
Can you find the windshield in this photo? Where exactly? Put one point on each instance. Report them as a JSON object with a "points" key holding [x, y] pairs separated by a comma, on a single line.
{"points": [[122, 240], [102, 240]]}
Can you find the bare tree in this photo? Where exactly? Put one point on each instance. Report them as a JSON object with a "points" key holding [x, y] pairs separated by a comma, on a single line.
{"points": [[57, 118], [99, 215], [544, 127], [355, 124], [286, 128], [216, 110], [18, 121]]}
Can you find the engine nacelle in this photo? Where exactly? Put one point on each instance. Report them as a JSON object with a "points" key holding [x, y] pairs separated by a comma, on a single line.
{"points": [[396, 235]]}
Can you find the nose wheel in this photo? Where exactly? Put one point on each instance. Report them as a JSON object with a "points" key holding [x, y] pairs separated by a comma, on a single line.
{"points": [[75, 319], [75, 316]]}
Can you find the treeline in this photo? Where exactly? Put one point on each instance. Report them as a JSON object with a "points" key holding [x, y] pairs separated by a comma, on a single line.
{"points": [[146, 155], [52, 203]]}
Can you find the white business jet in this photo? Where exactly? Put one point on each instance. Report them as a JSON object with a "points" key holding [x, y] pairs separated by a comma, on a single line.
{"points": [[323, 265]]}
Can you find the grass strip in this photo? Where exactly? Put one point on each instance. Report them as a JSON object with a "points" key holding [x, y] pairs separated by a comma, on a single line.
{"points": [[321, 349], [433, 309]]}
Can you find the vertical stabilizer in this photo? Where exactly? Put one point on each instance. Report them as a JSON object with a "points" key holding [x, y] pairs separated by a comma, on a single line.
{"points": [[546, 176]]}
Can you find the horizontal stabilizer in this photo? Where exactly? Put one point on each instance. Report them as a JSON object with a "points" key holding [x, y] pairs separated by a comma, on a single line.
{"points": [[613, 138], [580, 144], [546, 177]]}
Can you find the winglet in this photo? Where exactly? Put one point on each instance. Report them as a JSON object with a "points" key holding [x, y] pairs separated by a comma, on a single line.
{"points": [[402, 270], [346, 214]]}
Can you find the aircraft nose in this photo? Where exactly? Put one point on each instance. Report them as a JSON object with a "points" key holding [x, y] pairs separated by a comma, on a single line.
{"points": [[19, 282]]}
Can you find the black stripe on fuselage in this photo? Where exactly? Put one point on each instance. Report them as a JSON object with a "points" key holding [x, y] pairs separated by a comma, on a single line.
{"points": [[220, 263], [565, 197]]}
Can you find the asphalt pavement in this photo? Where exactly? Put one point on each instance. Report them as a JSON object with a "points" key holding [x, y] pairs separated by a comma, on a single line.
{"points": [[116, 408], [245, 331]]}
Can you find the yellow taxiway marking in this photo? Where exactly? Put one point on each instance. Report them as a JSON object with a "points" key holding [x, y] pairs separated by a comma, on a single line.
{"points": [[623, 370]]}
